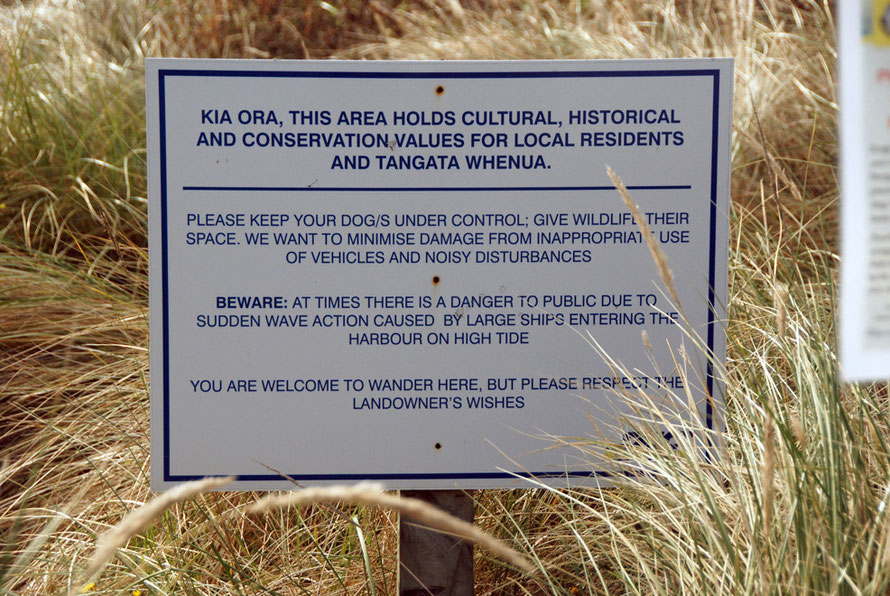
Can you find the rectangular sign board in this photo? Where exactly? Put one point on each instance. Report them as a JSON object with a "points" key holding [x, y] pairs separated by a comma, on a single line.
{"points": [[395, 271], [864, 76]]}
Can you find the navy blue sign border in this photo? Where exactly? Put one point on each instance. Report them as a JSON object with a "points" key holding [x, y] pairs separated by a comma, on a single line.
{"points": [[711, 324]]}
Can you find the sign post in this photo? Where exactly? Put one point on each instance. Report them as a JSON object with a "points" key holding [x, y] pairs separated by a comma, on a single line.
{"points": [[431, 561], [394, 270]]}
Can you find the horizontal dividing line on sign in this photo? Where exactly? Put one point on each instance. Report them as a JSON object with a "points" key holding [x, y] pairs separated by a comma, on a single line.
{"points": [[423, 188]]}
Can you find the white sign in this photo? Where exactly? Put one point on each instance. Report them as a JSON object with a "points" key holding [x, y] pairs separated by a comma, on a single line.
{"points": [[865, 185], [387, 270]]}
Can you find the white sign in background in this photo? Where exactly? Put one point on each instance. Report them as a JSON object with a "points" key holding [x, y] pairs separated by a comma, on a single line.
{"points": [[380, 270], [864, 76]]}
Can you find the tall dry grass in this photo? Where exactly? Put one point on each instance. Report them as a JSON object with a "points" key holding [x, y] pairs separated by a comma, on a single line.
{"points": [[796, 504]]}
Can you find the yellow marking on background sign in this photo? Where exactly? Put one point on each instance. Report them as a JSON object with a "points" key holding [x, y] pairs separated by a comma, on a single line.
{"points": [[880, 29]]}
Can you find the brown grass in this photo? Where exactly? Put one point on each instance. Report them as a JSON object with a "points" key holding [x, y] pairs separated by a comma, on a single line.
{"points": [[74, 430]]}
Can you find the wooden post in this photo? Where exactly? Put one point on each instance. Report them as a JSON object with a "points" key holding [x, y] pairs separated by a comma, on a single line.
{"points": [[431, 562]]}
